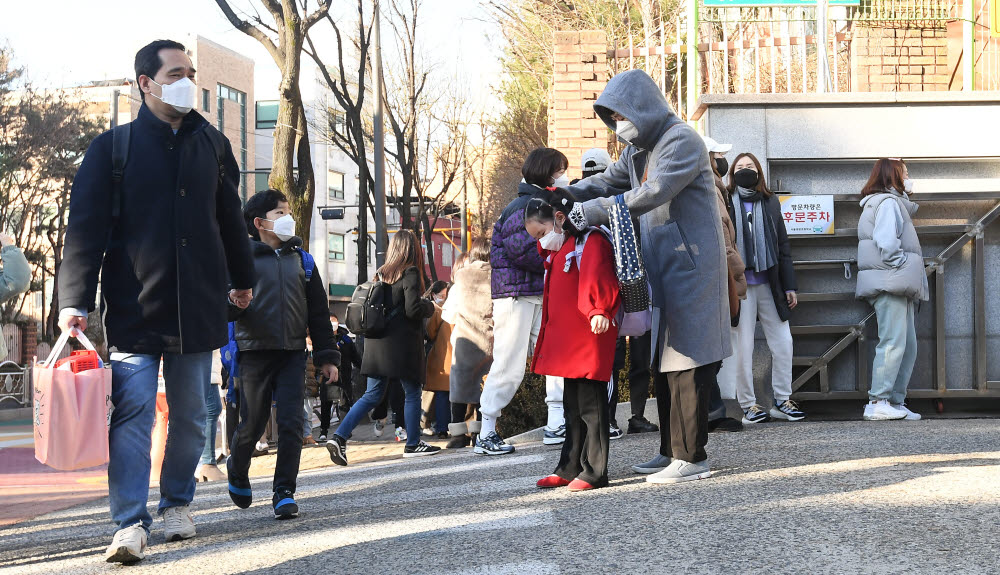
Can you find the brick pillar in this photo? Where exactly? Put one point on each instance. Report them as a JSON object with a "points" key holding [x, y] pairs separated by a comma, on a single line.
{"points": [[29, 341], [580, 72]]}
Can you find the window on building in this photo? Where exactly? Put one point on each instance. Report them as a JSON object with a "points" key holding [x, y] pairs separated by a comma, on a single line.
{"points": [[260, 181], [338, 122], [267, 115], [335, 247], [335, 183], [206, 97], [222, 94]]}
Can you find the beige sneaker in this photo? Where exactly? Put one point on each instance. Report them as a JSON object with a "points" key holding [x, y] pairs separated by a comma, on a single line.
{"points": [[128, 546], [178, 523]]}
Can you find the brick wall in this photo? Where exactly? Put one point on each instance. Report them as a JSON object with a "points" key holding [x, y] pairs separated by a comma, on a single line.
{"points": [[899, 60], [580, 72]]}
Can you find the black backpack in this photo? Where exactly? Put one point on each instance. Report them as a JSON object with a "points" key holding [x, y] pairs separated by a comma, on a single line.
{"points": [[369, 312]]}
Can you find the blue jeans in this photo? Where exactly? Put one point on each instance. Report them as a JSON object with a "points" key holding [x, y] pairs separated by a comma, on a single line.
{"points": [[442, 411], [213, 406], [130, 437], [896, 352], [372, 397]]}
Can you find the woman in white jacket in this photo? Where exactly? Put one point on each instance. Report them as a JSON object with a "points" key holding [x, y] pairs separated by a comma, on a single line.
{"points": [[891, 277]]}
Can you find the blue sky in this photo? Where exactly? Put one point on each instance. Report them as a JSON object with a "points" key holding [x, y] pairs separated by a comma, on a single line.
{"points": [[68, 42]]}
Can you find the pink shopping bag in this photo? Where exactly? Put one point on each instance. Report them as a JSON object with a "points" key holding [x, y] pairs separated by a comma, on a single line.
{"points": [[72, 412]]}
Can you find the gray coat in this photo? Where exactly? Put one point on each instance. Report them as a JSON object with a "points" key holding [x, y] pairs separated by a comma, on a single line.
{"points": [[679, 221], [889, 256]]}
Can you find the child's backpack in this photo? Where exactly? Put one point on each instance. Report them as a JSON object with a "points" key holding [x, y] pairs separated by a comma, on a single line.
{"points": [[369, 312], [231, 352], [630, 324]]}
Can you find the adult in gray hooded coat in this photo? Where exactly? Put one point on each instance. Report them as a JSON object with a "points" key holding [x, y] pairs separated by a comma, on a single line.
{"points": [[667, 182]]}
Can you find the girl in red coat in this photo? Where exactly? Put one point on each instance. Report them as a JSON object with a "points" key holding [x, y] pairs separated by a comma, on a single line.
{"points": [[577, 336]]}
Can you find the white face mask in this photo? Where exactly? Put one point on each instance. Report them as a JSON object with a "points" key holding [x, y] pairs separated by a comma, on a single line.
{"points": [[439, 300], [335, 325], [284, 227], [180, 94], [908, 186], [552, 241], [626, 131], [561, 182]]}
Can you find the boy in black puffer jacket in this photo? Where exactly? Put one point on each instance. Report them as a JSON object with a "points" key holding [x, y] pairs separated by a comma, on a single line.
{"points": [[289, 300]]}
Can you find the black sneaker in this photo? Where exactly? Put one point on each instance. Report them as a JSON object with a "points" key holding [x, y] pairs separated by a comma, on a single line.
{"points": [[337, 446], [323, 436], [442, 435], [419, 450], [755, 414], [459, 442], [284, 504], [615, 432], [787, 410], [641, 425], [725, 424], [239, 488]]}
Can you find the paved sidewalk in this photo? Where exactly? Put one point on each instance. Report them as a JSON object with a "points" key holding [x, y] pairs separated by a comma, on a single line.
{"points": [[835, 497]]}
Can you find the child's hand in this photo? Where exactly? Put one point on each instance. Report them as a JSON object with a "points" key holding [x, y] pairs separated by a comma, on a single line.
{"points": [[599, 324], [330, 372]]}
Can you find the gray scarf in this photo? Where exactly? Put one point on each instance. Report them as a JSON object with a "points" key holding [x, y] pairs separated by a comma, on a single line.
{"points": [[761, 251]]}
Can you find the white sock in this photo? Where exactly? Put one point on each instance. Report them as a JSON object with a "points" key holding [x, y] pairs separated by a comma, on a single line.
{"points": [[489, 426]]}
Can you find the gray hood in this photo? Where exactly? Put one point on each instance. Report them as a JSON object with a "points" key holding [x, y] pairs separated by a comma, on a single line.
{"points": [[911, 206], [635, 95]]}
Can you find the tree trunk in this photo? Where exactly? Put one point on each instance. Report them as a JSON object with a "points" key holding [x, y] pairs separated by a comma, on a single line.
{"points": [[428, 237]]}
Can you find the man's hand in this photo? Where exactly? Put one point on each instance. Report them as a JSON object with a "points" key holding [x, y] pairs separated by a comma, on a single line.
{"points": [[6, 240], [241, 298], [330, 372], [70, 322], [599, 324], [793, 299]]}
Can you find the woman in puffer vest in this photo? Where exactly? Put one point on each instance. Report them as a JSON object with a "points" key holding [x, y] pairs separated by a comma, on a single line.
{"points": [[891, 277]]}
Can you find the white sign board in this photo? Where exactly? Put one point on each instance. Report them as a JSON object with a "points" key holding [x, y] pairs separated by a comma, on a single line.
{"points": [[807, 215]]}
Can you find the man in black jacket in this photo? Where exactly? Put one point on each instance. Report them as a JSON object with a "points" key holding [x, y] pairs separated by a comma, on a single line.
{"points": [[271, 336], [165, 264]]}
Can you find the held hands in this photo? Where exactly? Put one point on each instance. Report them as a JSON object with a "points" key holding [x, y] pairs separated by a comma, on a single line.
{"points": [[241, 298], [599, 324], [330, 372], [793, 300]]}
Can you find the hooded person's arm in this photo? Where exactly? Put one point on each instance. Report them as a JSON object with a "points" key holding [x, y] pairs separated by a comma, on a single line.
{"points": [[613, 181], [675, 162], [15, 277]]}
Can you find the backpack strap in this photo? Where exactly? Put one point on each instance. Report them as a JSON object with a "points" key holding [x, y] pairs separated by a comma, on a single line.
{"points": [[308, 262], [120, 137], [215, 138]]}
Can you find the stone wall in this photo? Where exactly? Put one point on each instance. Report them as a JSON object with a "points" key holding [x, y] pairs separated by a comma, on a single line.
{"points": [[580, 72], [899, 60]]}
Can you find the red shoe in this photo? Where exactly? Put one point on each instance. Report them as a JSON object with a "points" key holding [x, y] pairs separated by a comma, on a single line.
{"points": [[552, 481], [579, 485]]}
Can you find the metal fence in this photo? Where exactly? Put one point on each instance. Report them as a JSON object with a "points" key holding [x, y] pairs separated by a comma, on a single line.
{"points": [[15, 384], [774, 49]]}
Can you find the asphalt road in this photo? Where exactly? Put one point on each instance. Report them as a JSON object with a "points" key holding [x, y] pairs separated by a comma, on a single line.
{"points": [[833, 497]]}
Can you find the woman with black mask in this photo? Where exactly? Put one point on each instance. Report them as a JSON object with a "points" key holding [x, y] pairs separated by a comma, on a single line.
{"points": [[762, 241]]}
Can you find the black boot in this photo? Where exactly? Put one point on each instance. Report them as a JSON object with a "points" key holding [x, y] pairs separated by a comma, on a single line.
{"points": [[641, 425]]}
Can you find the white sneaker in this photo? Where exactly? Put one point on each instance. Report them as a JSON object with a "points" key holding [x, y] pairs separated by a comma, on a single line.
{"points": [[680, 471], [128, 546], [882, 411], [910, 415], [654, 465], [178, 523], [379, 427]]}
